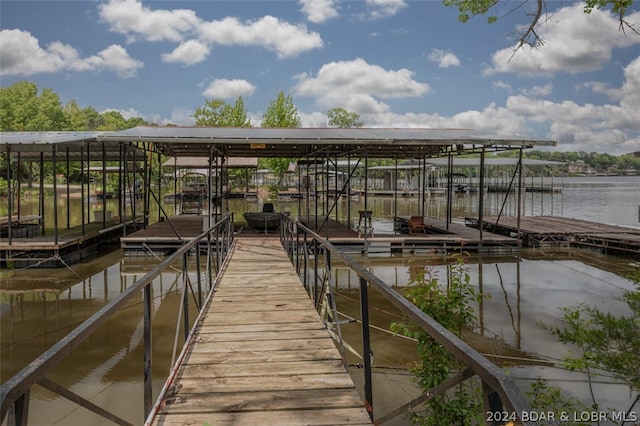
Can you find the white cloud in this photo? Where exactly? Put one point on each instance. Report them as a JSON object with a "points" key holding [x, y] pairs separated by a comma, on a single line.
{"points": [[21, 54], [130, 18], [502, 85], [319, 11], [228, 89], [574, 42], [611, 128], [444, 59], [287, 40], [356, 85], [383, 8], [189, 52], [631, 87], [603, 128], [544, 90], [603, 89]]}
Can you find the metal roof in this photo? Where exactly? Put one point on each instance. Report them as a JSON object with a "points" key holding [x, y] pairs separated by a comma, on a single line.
{"points": [[267, 142], [31, 144], [309, 142]]}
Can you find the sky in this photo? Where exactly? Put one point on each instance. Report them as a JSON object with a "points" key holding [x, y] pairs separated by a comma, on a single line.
{"points": [[396, 63]]}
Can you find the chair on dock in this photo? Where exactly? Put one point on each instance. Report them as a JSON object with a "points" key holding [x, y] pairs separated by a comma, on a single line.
{"points": [[417, 225], [364, 223]]}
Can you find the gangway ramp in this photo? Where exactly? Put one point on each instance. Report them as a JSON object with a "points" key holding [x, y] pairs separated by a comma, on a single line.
{"points": [[260, 354]]}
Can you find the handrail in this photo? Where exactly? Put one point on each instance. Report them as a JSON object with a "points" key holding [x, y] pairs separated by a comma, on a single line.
{"points": [[14, 393], [498, 387]]}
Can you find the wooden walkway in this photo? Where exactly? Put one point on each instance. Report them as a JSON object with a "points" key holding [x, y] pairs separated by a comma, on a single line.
{"points": [[261, 355]]}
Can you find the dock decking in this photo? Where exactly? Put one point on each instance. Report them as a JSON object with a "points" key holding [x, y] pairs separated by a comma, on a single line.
{"points": [[261, 354], [71, 246], [556, 231], [161, 237]]}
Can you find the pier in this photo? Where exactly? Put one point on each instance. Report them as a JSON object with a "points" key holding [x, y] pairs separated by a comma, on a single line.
{"points": [[165, 237], [65, 246], [538, 231], [260, 354]]}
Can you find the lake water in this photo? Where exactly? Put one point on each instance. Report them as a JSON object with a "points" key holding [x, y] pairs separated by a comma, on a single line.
{"points": [[39, 306]]}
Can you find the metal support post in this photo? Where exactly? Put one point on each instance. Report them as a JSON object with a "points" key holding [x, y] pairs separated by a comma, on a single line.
{"points": [[367, 355]]}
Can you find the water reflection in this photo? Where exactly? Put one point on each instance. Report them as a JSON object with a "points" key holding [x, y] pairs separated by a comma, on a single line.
{"points": [[522, 294], [36, 312], [39, 306]]}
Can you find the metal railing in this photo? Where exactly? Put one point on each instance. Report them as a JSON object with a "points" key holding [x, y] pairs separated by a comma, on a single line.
{"points": [[15, 392], [500, 393]]}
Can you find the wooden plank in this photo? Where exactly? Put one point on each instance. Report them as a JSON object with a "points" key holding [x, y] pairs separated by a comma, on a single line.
{"points": [[271, 345], [270, 370], [337, 416], [265, 401], [260, 355]]}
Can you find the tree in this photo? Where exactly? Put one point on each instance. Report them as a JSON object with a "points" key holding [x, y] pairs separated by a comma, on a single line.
{"points": [[529, 35], [22, 109], [76, 117], [217, 113], [112, 120], [340, 117], [280, 113]]}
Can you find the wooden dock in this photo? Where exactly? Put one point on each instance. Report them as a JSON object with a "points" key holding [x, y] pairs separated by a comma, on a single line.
{"points": [[260, 355], [537, 231], [163, 238], [72, 245]]}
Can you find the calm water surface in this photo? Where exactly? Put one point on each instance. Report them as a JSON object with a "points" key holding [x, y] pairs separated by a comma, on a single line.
{"points": [[39, 306]]}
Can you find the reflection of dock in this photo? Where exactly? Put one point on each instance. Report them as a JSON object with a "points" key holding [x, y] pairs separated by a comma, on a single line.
{"points": [[538, 231], [260, 354]]}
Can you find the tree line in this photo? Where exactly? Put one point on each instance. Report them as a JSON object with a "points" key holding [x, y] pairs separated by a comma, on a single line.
{"points": [[24, 108], [589, 161]]}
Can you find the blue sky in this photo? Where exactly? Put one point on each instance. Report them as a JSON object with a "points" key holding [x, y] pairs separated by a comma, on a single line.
{"points": [[396, 63]]}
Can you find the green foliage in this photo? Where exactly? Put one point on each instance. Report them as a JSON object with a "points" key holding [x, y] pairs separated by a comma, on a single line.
{"points": [[549, 399], [217, 113], [606, 341], [281, 113], [599, 162], [618, 7], [470, 8], [535, 11], [340, 117], [23, 109], [451, 306]]}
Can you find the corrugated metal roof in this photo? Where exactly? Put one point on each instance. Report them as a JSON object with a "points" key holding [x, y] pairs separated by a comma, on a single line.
{"points": [[277, 142], [308, 142], [31, 144]]}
